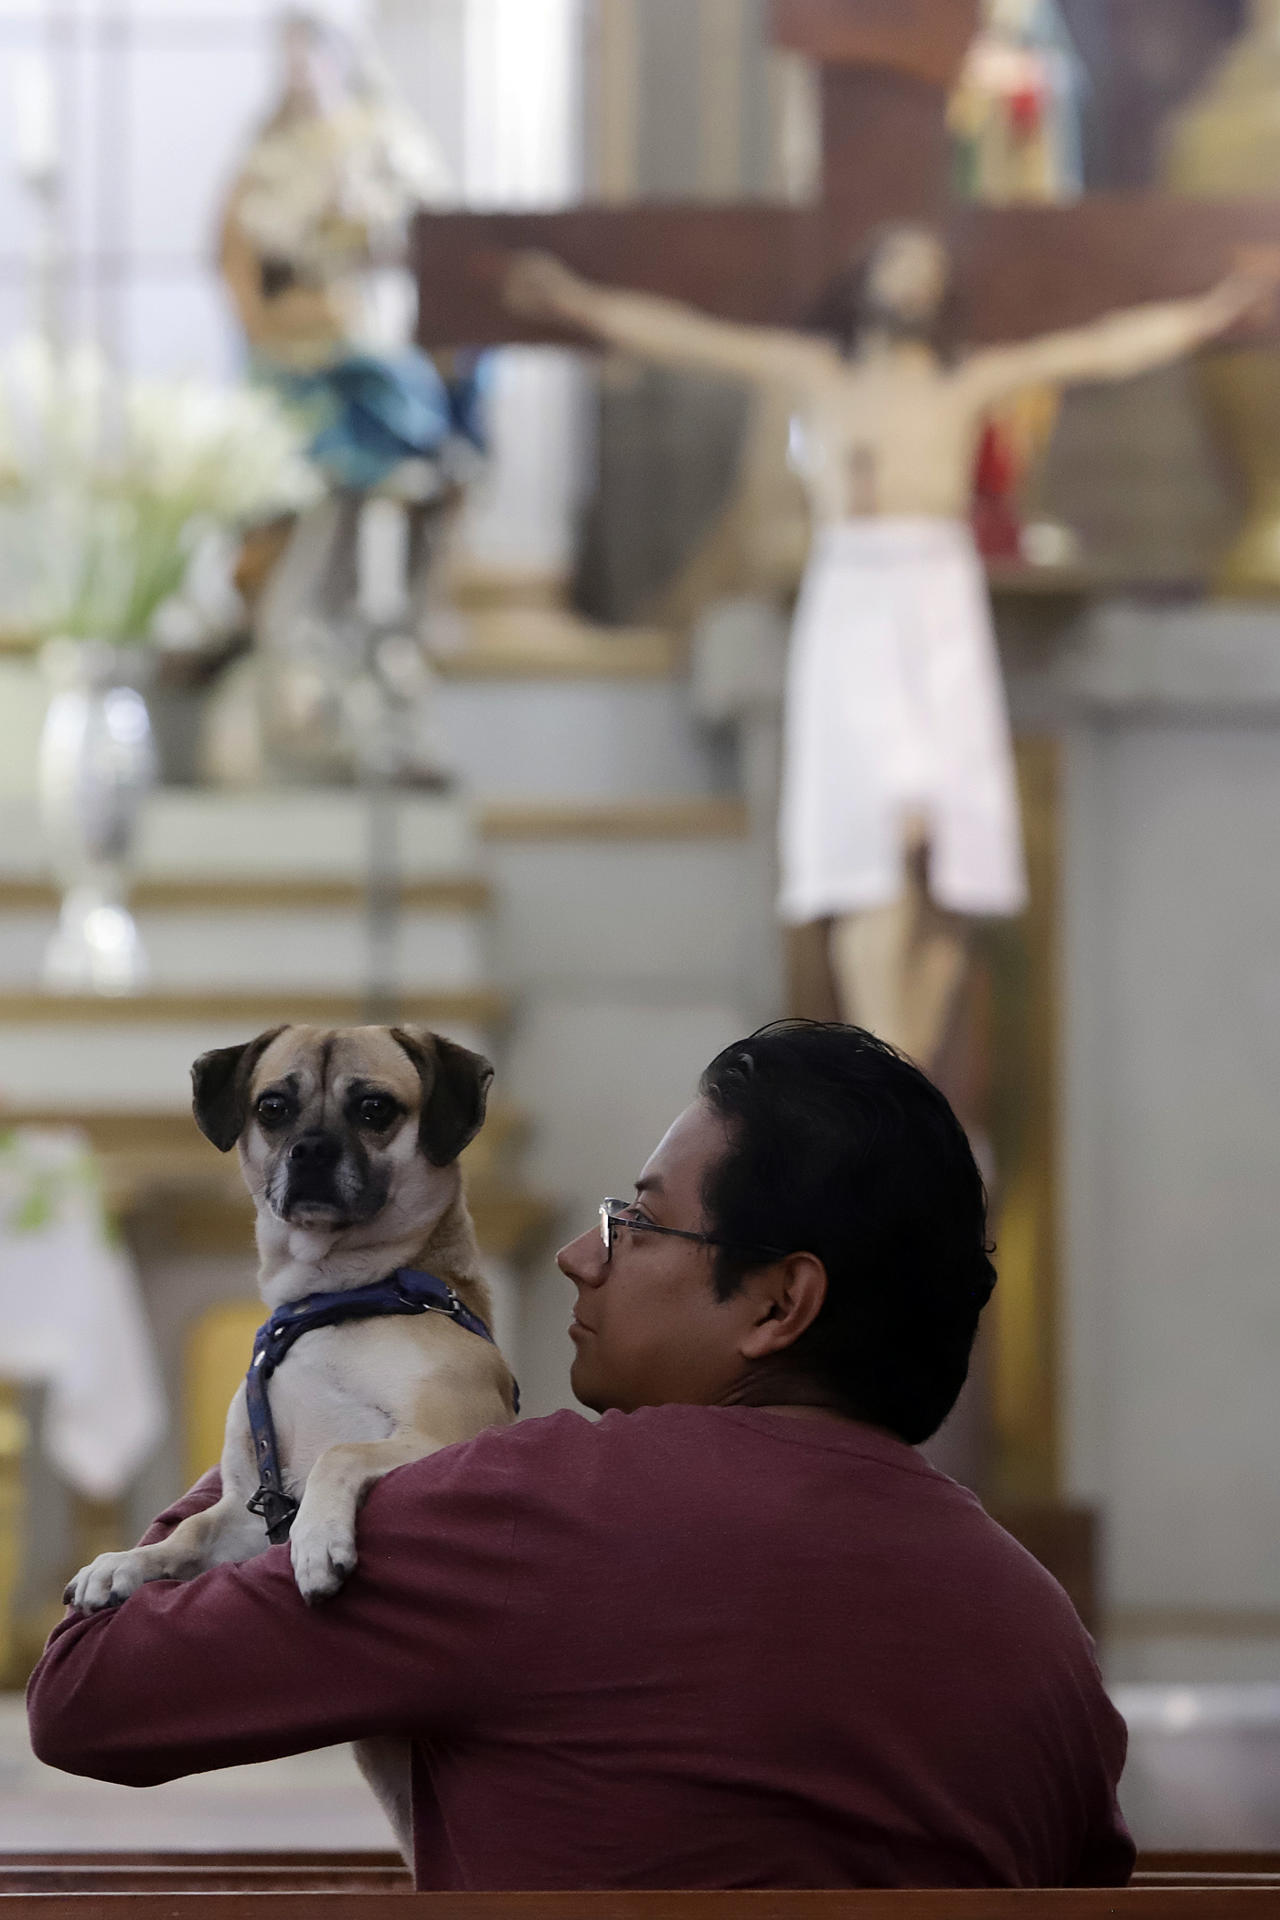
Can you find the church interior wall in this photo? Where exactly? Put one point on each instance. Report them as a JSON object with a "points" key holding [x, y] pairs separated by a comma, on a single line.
{"points": [[1172, 922]]}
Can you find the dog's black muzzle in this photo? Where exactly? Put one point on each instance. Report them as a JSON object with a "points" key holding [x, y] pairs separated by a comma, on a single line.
{"points": [[311, 1171], [324, 1170]]}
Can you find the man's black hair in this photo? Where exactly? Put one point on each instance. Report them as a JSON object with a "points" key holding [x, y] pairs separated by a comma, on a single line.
{"points": [[840, 1147]]}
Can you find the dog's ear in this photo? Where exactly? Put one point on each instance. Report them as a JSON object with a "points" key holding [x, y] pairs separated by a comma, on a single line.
{"points": [[220, 1089], [455, 1090]]}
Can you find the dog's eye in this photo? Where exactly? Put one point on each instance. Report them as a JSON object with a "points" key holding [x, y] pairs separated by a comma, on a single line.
{"points": [[273, 1110], [376, 1110]]}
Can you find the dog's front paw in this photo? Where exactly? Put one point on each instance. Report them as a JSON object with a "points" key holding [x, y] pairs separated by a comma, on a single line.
{"points": [[108, 1581], [323, 1554]]}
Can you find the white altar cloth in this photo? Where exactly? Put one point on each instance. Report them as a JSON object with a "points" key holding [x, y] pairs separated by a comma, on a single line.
{"points": [[71, 1315]]}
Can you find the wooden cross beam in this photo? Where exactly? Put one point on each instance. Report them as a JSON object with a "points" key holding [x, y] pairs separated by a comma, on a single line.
{"points": [[887, 66]]}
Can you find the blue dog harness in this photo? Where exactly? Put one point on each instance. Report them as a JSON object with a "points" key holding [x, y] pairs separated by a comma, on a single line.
{"points": [[404, 1291]]}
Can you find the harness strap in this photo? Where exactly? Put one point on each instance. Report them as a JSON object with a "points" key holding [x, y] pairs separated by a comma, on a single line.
{"points": [[276, 1507], [407, 1290]]}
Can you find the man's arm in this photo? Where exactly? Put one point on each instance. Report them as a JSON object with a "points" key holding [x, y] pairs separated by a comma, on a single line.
{"points": [[664, 330], [234, 1666]]}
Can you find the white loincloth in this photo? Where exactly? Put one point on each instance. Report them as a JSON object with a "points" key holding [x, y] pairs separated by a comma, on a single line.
{"points": [[895, 710]]}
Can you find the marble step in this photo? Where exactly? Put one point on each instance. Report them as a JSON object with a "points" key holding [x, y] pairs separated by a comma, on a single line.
{"points": [[200, 848], [104, 1054], [267, 893], [607, 914], [164, 1178], [533, 701], [190, 835], [294, 946], [208, 1220], [145, 1151], [523, 735], [480, 586], [531, 642]]}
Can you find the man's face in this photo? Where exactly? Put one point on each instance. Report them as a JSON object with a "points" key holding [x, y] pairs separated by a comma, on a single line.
{"points": [[647, 1329]]}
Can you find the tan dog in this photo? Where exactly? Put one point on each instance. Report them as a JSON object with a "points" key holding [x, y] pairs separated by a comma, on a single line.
{"points": [[348, 1139]]}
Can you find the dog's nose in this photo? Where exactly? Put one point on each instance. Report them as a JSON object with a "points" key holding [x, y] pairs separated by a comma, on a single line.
{"points": [[317, 1149]]}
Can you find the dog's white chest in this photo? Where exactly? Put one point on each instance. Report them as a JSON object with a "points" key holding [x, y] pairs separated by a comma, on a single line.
{"points": [[354, 1382]]}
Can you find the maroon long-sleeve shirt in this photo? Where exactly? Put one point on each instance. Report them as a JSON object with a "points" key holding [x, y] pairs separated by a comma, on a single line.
{"points": [[685, 1647]]}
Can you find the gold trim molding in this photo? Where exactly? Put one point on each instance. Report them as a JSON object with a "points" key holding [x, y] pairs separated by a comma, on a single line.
{"points": [[1193, 1623], [472, 1006], [466, 894], [1025, 1308], [694, 819]]}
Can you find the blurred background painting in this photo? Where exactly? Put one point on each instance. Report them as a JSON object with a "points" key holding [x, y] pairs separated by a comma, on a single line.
{"points": [[371, 650]]}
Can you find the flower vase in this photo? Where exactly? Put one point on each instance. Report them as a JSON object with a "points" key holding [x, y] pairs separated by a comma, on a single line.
{"points": [[97, 764]]}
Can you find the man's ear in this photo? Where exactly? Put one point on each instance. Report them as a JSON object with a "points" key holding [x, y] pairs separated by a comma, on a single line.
{"points": [[788, 1295], [220, 1084], [455, 1091]]}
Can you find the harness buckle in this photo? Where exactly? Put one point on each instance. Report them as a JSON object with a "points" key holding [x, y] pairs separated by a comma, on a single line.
{"points": [[277, 1509], [451, 1305]]}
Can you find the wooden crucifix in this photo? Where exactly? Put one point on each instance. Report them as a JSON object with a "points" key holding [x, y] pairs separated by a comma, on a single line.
{"points": [[886, 69]]}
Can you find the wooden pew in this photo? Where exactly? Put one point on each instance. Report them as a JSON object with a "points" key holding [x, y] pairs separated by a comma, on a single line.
{"points": [[382, 1871], [101, 1872], [1245, 1898], [1208, 1870]]}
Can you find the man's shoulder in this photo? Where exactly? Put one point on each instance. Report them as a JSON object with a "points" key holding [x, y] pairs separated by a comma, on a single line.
{"points": [[567, 1452], [547, 1444], [553, 1440]]}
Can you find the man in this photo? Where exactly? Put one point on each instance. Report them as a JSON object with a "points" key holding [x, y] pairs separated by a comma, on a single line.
{"points": [[738, 1632]]}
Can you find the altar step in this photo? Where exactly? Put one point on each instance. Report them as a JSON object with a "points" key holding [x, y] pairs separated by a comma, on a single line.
{"points": [[196, 836], [77, 1051], [161, 1176], [139, 1149], [534, 703], [222, 950], [245, 947], [207, 1223], [538, 703], [515, 733], [549, 643]]}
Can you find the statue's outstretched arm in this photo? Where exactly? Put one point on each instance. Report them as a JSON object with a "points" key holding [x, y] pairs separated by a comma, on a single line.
{"points": [[1117, 346], [664, 330]]}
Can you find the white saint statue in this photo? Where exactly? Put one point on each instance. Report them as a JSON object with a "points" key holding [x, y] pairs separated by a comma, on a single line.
{"points": [[313, 253]]}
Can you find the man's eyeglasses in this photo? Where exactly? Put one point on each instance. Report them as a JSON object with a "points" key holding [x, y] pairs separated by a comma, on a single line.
{"points": [[622, 1213]]}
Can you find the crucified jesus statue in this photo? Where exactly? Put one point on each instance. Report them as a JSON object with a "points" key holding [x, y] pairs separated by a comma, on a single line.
{"points": [[899, 817]]}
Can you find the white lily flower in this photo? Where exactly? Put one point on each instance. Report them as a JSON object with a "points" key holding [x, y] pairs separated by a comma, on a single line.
{"points": [[107, 486]]}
